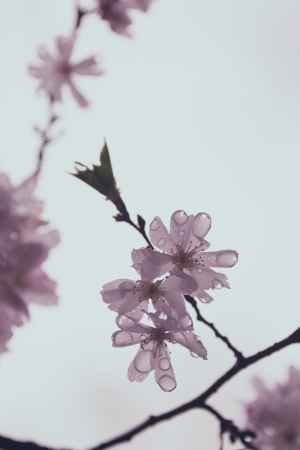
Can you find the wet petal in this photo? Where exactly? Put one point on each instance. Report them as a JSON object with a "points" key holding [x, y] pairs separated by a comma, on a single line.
{"points": [[125, 338], [160, 237], [116, 290], [164, 372], [176, 302], [155, 265], [143, 361], [221, 258], [201, 225], [191, 341]]}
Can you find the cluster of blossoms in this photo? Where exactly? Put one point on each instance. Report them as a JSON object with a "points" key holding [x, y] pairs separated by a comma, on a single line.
{"points": [[56, 70], [275, 414], [180, 266], [25, 242]]}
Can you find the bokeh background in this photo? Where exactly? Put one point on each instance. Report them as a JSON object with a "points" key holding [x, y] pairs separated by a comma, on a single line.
{"points": [[201, 111]]}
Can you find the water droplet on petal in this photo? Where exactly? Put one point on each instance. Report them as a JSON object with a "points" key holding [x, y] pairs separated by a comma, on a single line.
{"points": [[154, 225], [227, 258], [201, 225], [194, 355], [164, 364], [217, 284], [186, 322], [167, 383], [180, 217]]}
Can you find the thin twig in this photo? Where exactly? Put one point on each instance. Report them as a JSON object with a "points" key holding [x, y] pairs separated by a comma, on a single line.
{"points": [[237, 353], [197, 402], [227, 426]]}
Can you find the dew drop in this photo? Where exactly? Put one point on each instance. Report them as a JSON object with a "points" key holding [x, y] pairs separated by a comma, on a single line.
{"points": [[164, 364], [143, 361], [167, 383], [217, 284], [180, 217], [154, 225], [194, 355]]}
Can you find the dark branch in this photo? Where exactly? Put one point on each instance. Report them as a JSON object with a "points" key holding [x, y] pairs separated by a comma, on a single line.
{"points": [[227, 426], [197, 402], [237, 353]]}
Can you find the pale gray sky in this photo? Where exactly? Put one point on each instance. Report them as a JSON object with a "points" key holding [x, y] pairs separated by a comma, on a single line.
{"points": [[201, 111]]}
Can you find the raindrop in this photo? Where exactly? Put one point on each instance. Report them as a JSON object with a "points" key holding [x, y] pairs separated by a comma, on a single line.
{"points": [[194, 355], [180, 217], [164, 364], [217, 284], [167, 383], [201, 225]]}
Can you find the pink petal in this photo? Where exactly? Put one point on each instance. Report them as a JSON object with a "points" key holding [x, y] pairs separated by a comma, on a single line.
{"points": [[125, 338], [155, 265], [164, 372], [221, 258], [201, 225], [177, 302], [87, 66], [160, 237], [116, 290], [38, 288], [80, 99], [189, 340], [65, 46]]}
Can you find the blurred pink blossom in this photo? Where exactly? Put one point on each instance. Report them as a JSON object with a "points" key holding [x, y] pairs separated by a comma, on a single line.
{"points": [[153, 354], [56, 70], [25, 242], [275, 413], [182, 251], [117, 13]]}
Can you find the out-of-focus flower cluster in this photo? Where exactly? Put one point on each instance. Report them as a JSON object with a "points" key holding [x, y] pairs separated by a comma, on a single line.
{"points": [[25, 242], [180, 266], [56, 70], [117, 13], [275, 414]]}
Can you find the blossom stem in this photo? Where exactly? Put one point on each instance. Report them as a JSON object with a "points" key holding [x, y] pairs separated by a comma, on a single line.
{"points": [[237, 353]]}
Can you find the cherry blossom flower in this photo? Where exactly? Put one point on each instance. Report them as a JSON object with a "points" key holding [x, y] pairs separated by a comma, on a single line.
{"points": [[117, 13], [274, 414], [56, 70], [183, 250], [125, 295], [25, 242], [153, 353]]}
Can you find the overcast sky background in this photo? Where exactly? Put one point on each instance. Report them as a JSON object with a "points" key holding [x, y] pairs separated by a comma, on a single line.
{"points": [[201, 112]]}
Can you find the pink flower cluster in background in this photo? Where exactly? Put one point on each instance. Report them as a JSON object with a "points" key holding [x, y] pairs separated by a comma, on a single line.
{"points": [[25, 242], [181, 266], [275, 414]]}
